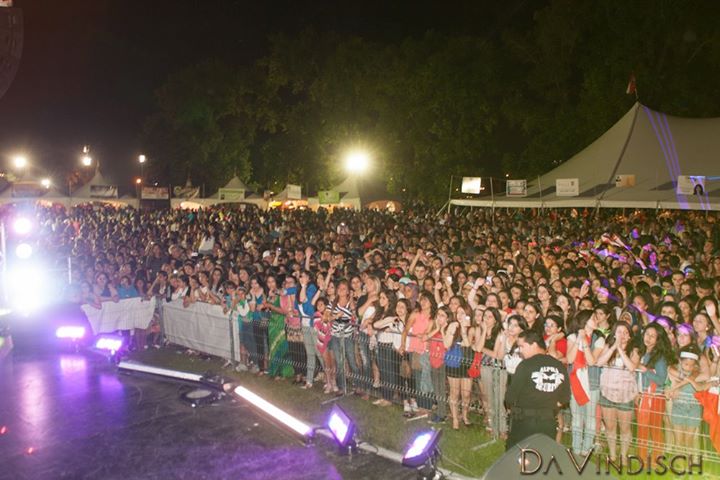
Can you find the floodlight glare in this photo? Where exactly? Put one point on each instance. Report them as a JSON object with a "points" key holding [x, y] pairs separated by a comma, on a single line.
{"points": [[72, 332], [342, 428], [87, 160], [45, 182], [279, 415], [142, 159], [423, 454], [20, 161], [23, 251], [109, 343], [357, 161], [22, 226]]}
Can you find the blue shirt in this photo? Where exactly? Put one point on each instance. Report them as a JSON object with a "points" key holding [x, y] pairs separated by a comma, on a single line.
{"points": [[656, 374], [127, 292]]}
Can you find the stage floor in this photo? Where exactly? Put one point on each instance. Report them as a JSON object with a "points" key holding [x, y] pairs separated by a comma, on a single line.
{"points": [[72, 416]]}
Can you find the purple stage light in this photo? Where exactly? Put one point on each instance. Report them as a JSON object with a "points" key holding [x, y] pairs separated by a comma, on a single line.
{"points": [[22, 226], [342, 428], [111, 343], [72, 332], [422, 450], [279, 415]]}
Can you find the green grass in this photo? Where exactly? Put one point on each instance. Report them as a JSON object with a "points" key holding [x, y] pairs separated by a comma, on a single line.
{"points": [[380, 426]]}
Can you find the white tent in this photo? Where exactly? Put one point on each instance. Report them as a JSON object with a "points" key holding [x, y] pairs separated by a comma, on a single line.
{"points": [[650, 149], [349, 195], [84, 193]]}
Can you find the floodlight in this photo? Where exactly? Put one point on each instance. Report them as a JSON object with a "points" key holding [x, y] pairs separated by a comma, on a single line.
{"points": [[45, 182], [109, 343], [357, 161], [277, 414], [23, 251], [342, 428], [20, 161], [423, 454], [87, 160], [142, 159], [22, 226], [71, 332], [138, 181]]}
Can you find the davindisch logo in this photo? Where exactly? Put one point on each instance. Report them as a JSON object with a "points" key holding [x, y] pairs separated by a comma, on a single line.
{"points": [[532, 462]]}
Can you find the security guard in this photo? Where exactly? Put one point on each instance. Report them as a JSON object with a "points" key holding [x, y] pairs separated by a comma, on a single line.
{"points": [[538, 390]]}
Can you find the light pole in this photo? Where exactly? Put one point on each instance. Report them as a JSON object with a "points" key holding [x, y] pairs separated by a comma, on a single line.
{"points": [[142, 159]]}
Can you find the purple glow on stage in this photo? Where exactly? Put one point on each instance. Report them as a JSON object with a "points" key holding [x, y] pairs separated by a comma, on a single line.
{"points": [[72, 364], [111, 343], [421, 449], [72, 332], [22, 226], [283, 417]]}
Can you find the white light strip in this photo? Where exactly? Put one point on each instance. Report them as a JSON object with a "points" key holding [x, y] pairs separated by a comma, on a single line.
{"points": [[139, 367], [274, 411]]}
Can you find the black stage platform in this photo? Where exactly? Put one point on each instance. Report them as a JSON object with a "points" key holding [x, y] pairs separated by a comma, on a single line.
{"points": [[72, 416]]}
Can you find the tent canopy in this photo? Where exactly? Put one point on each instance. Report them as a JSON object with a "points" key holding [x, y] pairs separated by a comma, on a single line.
{"points": [[650, 146]]}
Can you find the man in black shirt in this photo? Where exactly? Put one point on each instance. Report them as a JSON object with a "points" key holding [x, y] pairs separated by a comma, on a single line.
{"points": [[538, 390]]}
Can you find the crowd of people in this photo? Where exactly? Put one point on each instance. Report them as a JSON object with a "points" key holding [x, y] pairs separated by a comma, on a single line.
{"points": [[426, 310]]}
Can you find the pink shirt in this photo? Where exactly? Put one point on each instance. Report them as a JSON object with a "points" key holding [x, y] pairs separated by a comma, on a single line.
{"points": [[420, 327], [324, 333]]}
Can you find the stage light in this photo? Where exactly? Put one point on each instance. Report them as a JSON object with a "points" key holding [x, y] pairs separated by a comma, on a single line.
{"points": [[22, 226], [71, 332], [279, 415], [45, 182], [87, 160], [109, 343], [342, 428], [166, 372], [23, 299], [142, 159], [423, 453], [23, 251], [20, 162]]}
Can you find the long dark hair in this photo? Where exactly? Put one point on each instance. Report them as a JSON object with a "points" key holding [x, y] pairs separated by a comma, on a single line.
{"points": [[663, 348], [613, 336], [496, 328]]}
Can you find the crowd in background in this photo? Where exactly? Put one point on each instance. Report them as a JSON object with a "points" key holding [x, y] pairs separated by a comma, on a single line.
{"points": [[425, 309]]}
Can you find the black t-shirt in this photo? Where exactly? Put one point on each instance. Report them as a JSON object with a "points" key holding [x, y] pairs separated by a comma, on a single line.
{"points": [[539, 382]]}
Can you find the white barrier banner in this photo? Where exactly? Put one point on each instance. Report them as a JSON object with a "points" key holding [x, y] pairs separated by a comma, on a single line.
{"points": [[201, 327], [126, 314]]}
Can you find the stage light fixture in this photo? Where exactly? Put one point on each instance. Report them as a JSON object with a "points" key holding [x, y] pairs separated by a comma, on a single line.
{"points": [[23, 251], [22, 226], [276, 413], [109, 343], [70, 332], [343, 429], [423, 454]]}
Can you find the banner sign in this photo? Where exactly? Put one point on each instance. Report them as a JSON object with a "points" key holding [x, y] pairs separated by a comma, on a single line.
{"points": [[625, 180], [216, 337], [186, 192], [103, 191], [516, 188], [471, 185], [691, 185], [328, 197], [231, 193], [126, 314], [567, 187], [155, 193], [294, 192]]}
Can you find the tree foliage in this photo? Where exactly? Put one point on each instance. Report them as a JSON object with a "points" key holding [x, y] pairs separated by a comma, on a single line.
{"points": [[439, 104]]}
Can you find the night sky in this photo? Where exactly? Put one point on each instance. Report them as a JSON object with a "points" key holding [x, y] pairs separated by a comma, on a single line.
{"points": [[90, 67]]}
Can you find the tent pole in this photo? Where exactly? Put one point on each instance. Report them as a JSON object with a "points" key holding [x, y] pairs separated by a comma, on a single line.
{"points": [[542, 203], [450, 194]]}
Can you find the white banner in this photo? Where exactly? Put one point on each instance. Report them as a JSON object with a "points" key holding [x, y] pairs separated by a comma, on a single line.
{"points": [[231, 193], [126, 314], [103, 191], [155, 193], [294, 192], [690, 185], [201, 327], [516, 188], [567, 187], [471, 185]]}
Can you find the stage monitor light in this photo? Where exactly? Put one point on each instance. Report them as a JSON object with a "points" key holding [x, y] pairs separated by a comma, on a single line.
{"points": [[109, 343], [342, 428], [279, 415], [70, 332], [23, 251], [422, 449], [22, 226]]}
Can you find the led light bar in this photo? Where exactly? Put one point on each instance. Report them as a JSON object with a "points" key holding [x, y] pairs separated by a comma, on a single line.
{"points": [[72, 332], [283, 417], [166, 372], [111, 343]]}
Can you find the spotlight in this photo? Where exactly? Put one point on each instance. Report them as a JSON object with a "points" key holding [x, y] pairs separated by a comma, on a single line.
{"points": [[200, 397], [423, 454], [71, 332], [343, 429], [279, 415], [23, 251], [109, 343], [22, 226], [45, 182]]}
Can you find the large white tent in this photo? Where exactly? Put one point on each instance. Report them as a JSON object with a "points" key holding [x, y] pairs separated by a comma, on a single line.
{"points": [[349, 194], [84, 193], [653, 147]]}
